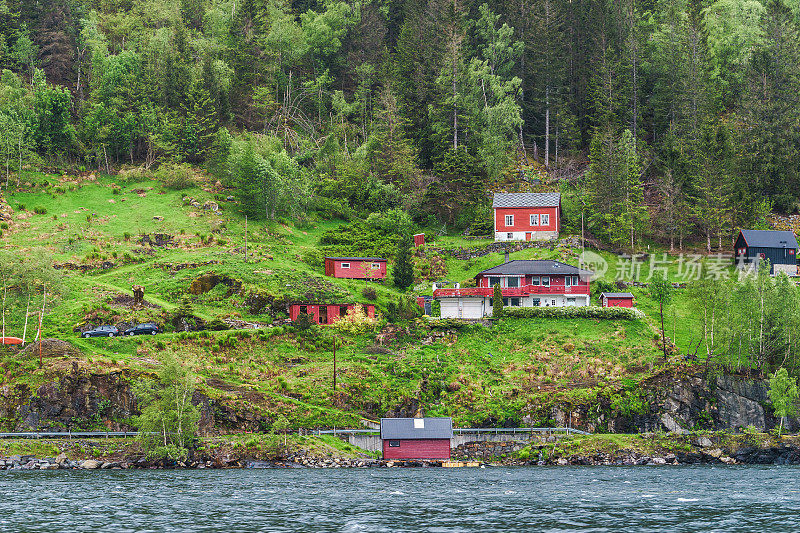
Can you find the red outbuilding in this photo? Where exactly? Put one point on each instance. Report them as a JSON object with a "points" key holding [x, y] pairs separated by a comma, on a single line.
{"points": [[526, 216], [419, 239], [327, 313], [416, 438], [356, 267], [616, 299]]}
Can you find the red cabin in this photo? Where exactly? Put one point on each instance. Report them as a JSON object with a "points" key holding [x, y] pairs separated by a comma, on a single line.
{"points": [[416, 438], [616, 299], [526, 216], [327, 313], [419, 240], [355, 267]]}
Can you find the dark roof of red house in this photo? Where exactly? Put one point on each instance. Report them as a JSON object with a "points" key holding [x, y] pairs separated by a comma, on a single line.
{"points": [[616, 295], [534, 267], [403, 428], [769, 238], [526, 199], [356, 258]]}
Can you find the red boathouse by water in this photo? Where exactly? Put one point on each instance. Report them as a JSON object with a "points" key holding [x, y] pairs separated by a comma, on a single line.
{"points": [[416, 438], [356, 267]]}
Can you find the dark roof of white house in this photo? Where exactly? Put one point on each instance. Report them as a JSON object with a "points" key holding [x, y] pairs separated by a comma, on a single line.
{"points": [[356, 258], [761, 238], [403, 428], [616, 295], [526, 199], [534, 267]]}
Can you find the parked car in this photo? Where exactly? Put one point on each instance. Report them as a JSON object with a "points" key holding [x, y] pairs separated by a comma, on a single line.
{"points": [[143, 329], [101, 331]]}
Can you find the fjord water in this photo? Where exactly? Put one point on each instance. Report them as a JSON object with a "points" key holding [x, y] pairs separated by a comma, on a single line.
{"points": [[425, 499]]}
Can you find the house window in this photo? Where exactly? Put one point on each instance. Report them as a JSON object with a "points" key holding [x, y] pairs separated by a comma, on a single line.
{"points": [[535, 280], [545, 220], [574, 280], [509, 220], [304, 309], [394, 444], [545, 281], [509, 236], [537, 302], [376, 266], [554, 302], [534, 220], [345, 265], [494, 281], [514, 302], [568, 281], [512, 282]]}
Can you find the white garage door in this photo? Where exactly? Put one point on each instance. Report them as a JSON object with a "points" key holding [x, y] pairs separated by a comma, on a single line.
{"points": [[449, 307], [471, 308]]}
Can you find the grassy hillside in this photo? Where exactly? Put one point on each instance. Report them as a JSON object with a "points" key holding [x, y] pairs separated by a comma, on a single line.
{"points": [[104, 229]]}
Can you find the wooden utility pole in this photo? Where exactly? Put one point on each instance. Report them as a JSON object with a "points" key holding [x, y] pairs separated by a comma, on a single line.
{"points": [[334, 364]]}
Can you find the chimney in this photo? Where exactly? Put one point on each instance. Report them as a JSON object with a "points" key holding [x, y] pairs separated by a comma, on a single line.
{"points": [[507, 259]]}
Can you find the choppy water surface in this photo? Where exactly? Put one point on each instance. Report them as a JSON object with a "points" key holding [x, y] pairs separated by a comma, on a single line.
{"points": [[434, 499]]}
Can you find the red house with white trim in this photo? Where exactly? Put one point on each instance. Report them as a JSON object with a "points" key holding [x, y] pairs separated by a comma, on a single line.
{"points": [[416, 438], [526, 216], [523, 283], [326, 313], [356, 267], [616, 299]]}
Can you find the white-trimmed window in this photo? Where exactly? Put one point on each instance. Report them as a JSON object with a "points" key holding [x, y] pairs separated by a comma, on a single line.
{"points": [[509, 236], [495, 281], [345, 265], [534, 280], [534, 220], [545, 281], [537, 302], [376, 266], [509, 220], [545, 220], [568, 281], [512, 282]]}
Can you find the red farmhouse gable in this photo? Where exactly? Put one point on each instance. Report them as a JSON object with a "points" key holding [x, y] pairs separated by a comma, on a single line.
{"points": [[526, 216]]}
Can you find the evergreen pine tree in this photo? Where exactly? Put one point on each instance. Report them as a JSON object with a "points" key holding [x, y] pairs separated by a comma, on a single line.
{"points": [[403, 269]]}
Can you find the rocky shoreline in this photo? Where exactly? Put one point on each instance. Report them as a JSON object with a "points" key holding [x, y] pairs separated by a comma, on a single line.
{"points": [[786, 454]]}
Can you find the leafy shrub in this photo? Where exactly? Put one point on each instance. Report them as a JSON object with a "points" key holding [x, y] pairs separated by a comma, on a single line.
{"points": [[175, 177], [304, 321], [603, 313], [355, 322], [4, 225], [134, 175], [40, 210], [370, 293]]}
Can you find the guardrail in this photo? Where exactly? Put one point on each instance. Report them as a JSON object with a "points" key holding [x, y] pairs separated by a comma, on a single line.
{"points": [[457, 431], [66, 434]]}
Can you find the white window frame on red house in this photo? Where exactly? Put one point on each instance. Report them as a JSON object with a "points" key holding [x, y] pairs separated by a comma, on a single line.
{"points": [[545, 220], [568, 281], [345, 265], [535, 280], [509, 220], [376, 266], [545, 281], [534, 220]]}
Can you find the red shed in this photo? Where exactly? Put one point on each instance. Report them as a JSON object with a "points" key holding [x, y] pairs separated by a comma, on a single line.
{"points": [[416, 438], [419, 239], [326, 313], [356, 267], [616, 299], [526, 216]]}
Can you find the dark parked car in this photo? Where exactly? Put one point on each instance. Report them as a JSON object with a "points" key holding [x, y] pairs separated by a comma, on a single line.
{"points": [[101, 331], [143, 329]]}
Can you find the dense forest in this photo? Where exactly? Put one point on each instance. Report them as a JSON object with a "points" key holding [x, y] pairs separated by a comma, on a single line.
{"points": [[671, 120]]}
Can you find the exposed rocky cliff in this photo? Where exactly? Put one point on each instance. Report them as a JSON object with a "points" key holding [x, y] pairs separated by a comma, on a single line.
{"points": [[680, 402]]}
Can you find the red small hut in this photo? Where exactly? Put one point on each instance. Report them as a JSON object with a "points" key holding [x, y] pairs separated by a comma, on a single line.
{"points": [[416, 438], [356, 267], [616, 299], [326, 313]]}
